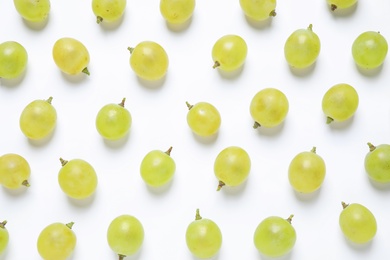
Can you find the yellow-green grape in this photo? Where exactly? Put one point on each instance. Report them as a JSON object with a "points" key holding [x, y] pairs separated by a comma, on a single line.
{"points": [[340, 102], [302, 48], [38, 119], [13, 59], [306, 172], [369, 50], [203, 237], [177, 11], [258, 10], [56, 241], [232, 166], [340, 4], [377, 163], [357, 223], [149, 60], [108, 10], [4, 237], [269, 107], [33, 10], [275, 236], [71, 56], [77, 178], [229, 52], [125, 235], [14, 171], [203, 118]]}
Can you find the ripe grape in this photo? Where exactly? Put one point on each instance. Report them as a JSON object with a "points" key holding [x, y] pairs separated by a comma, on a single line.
{"points": [[341, 4], [377, 163], [13, 59], [125, 235], [258, 10], [302, 48], [275, 236], [369, 50], [14, 171], [229, 52], [232, 166], [71, 56], [269, 107], [203, 118], [177, 11], [38, 119], [56, 241], [108, 10], [357, 223], [33, 10], [306, 172], [77, 178], [203, 237], [4, 237]]}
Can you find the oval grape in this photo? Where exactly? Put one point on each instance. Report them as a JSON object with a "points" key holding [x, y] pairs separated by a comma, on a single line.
{"points": [[33, 10], [203, 118], [4, 237], [258, 10], [377, 163], [108, 10], [13, 60], [369, 50], [14, 171], [341, 4], [229, 52], [177, 11]]}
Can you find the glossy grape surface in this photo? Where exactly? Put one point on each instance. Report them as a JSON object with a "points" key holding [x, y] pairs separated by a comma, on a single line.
{"points": [[369, 50], [4, 237], [229, 52], [14, 171], [377, 163], [33, 10], [341, 4], [258, 10], [108, 10], [203, 118], [177, 11], [13, 59]]}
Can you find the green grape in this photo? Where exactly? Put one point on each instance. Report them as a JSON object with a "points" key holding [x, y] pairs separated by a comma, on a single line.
{"points": [[56, 241], [306, 172], [369, 50], [149, 60], [269, 107], [377, 163], [14, 171], [203, 237], [38, 119], [108, 10], [229, 52], [177, 11], [13, 59], [33, 10], [302, 48], [203, 118], [275, 236], [77, 178], [71, 56], [340, 102], [258, 10], [357, 223], [125, 235], [341, 4], [4, 237], [232, 166], [113, 121]]}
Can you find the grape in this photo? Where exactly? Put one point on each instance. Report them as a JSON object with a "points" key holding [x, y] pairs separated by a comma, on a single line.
{"points": [[377, 163], [369, 50], [232, 166], [125, 235], [177, 11], [38, 119], [77, 178], [306, 172], [229, 52], [340, 102], [203, 118], [4, 237], [269, 107], [203, 237], [341, 4], [149, 60], [357, 223], [14, 171], [302, 48], [275, 236], [71, 56], [113, 121], [13, 59], [56, 241], [33, 10], [258, 10], [108, 10]]}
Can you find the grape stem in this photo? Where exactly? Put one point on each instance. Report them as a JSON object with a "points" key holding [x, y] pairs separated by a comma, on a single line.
{"points": [[122, 103], [131, 49], [63, 162], [220, 185], [344, 204], [256, 125], [333, 7], [310, 27], [189, 105], [216, 64], [169, 151], [197, 215], [99, 19], [121, 257], [329, 120], [2, 224], [26, 183], [289, 219], [49, 100], [314, 149], [70, 225], [86, 71], [371, 146], [272, 13]]}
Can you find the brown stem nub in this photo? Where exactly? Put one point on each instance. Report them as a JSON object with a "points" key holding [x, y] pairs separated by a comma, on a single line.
{"points": [[131, 49], [314, 149], [2, 224], [26, 183], [70, 225], [329, 120], [256, 125], [189, 105], [169, 151], [63, 162], [216, 64], [220, 185], [289, 219], [344, 204], [121, 257], [122, 103], [85, 71], [99, 19], [272, 13], [333, 7], [197, 215], [371, 146]]}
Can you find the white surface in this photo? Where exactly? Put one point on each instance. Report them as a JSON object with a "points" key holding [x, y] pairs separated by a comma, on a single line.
{"points": [[159, 121]]}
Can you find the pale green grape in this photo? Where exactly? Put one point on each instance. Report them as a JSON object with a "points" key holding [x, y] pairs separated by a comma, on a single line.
{"points": [[108, 10], [229, 52], [203, 118], [77, 178], [71, 56], [203, 237], [341, 4], [377, 163], [177, 11], [13, 59], [14, 171], [125, 235], [258, 10], [38, 119], [56, 241], [157, 168], [306, 171], [149, 60], [275, 236], [269, 107], [4, 237], [113, 121], [232, 166], [302, 48], [340, 102], [369, 50], [33, 10], [357, 223]]}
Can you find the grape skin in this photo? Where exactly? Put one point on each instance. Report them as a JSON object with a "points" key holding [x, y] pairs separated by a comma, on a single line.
{"points": [[377, 163], [14, 171], [258, 10], [4, 237], [369, 50], [108, 10], [341, 4], [203, 118], [33, 10], [177, 11], [13, 59], [229, 52]]}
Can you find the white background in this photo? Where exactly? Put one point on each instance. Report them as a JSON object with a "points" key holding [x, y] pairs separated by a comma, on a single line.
{"points": [[159, 121]]}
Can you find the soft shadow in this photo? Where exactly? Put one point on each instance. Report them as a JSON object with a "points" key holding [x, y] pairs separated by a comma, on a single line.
{"points": [[216, 257], [136, 256], [111, 26], [179, 27], [231, 74], [158, 191], [16, 192], [152, 84], [303, 72], [385, 187], [359, 247], [36, 26], [42, 142], [346, 12], [74, 79], [284, 257], [307, 197], [3, 256], [232, 191], [335, 125], [11, 83], [369, 72], [117, 144], [206, 139], [259, 25], [81, 203], [270, 131]]}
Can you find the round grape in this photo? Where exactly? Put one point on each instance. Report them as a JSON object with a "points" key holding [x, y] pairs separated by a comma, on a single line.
{"points": [[4, 237], [229, 52], [340, 4], [177, 11], [203, 119], [377, 163], [14, 171], [108, 10], [13, 59], [33, 10], [258, 10]]}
